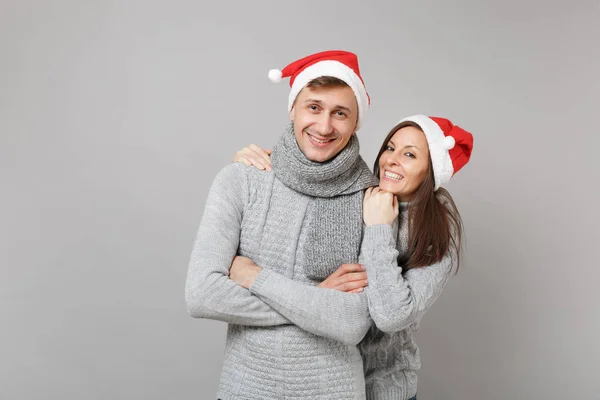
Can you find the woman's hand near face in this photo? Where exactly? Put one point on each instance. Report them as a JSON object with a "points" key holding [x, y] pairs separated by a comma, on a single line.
{"points": [[379, 207], [254, 156]]}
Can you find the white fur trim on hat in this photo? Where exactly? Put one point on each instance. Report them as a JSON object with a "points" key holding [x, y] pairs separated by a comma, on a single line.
{"points": [[439, 145], [337, 70]]}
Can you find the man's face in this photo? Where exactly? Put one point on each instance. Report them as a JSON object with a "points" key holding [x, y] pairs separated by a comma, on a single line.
{"points": [[324, 121]]}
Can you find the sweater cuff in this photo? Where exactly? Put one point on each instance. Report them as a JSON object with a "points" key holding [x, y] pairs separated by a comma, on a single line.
{"points": [[260, 280], [379, 235]]}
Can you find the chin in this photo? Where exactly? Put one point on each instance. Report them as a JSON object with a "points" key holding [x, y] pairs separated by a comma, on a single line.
{"points": [[389, 187], [320, 155], [316, 156], [385, 186]]}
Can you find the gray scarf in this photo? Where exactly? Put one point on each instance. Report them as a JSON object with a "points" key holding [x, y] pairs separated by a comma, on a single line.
{"points": [[344, 174], [337, 185]]}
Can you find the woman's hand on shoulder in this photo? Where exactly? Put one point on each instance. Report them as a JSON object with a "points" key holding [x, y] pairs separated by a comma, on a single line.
{"points": [[254, 156]]}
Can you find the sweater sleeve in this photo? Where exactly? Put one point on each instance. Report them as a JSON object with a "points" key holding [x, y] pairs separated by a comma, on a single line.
{"points": [[396, 301], [209, 292], [325, 312]]}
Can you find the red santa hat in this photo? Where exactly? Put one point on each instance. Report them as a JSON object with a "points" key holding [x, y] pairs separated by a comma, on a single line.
{"points": [[336, 63], [449, 146]]}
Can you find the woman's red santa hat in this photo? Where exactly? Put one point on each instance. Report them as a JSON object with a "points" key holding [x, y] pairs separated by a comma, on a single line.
{"points": [[450, 146]]}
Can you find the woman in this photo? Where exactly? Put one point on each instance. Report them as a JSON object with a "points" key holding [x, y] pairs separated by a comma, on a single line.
{"points": [[411, 245]]}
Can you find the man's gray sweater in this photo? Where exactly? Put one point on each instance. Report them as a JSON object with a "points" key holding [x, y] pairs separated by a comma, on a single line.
{"points": [[286, 337]]}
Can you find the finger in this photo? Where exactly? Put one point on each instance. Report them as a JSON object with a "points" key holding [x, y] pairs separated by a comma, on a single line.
{"points": [[346, 268], [346, 287], [339, 272], [238, 156], [244, 153], [255, 148], [254, 160], [389, 197], [259, 150], [268, 164], [247, 150], [355, 276], [359, 290], [265, 155], [258, 162], [262, 155]]}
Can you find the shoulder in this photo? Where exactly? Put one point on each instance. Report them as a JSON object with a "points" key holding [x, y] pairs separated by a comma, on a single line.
{"points": [[240, 177], [237, 172], [229, 176]]}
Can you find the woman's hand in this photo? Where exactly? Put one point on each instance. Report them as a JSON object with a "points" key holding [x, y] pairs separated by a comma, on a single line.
{"points": [[379, 207], [350, 278], [254, 156], [243, 271]]}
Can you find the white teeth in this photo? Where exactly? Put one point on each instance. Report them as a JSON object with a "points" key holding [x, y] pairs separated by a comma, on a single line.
{"points": [[317, 140], [392, 175]]}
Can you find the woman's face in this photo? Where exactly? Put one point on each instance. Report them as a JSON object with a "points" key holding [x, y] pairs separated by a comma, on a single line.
{"points": [[404, 164]]}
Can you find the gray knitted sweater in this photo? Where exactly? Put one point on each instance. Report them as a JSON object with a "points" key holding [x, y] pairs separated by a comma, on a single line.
{"points": [[286, 337], [397, 302]]}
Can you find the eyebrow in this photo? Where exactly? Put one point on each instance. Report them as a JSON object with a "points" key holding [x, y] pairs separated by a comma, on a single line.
{"points": [[321, 103], [407, 146]]}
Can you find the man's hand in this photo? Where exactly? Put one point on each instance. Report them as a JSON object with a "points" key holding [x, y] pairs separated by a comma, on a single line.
{"points": [[243, 271], [350, 278], [254, 156]]}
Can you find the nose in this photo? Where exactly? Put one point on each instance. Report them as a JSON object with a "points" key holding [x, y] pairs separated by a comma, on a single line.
{"points": [[324, 125], [393, 159]]}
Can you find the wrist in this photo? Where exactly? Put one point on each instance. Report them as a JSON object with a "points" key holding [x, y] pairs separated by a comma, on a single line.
{"points": [[374, 223], [253, 273], [259, 281]]}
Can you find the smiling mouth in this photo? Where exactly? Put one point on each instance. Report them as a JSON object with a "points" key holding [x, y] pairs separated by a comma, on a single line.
{"points": [[319, 142], [392, 176]]}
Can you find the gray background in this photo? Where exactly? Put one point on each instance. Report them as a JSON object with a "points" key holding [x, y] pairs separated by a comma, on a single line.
{"points": [[116, 115]]}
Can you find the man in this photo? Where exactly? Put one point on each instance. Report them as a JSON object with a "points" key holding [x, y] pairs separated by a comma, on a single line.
{"points": [[286, 337]]}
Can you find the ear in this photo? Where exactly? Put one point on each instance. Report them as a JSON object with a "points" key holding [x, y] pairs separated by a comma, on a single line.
{"points": [[292, 113]]}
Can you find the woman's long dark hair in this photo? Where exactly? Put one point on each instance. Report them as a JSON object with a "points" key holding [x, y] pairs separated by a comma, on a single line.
{"points": [[434, 224]]}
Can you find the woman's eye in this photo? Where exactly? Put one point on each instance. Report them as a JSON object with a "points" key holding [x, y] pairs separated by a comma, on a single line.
{"points": [[389, 148], [411, 155]]}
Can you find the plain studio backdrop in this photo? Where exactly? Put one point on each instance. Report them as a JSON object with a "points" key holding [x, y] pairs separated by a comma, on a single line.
{"points": [[116, 115]]}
